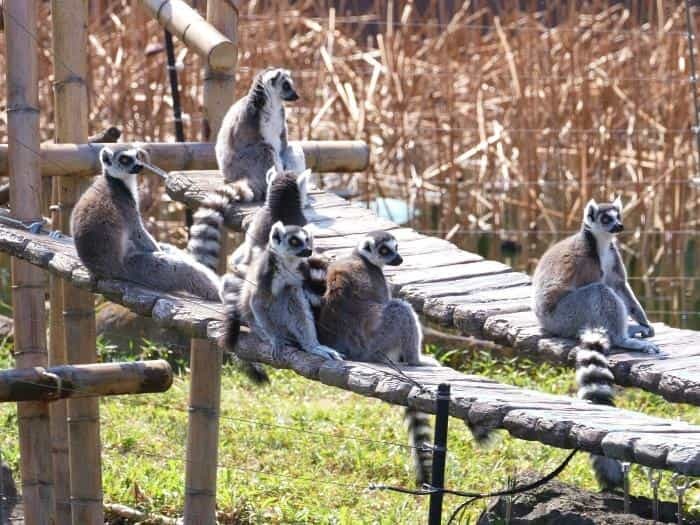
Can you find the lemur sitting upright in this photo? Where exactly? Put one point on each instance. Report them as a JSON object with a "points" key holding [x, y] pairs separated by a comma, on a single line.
{"points": [[253, 136], [581, 282], [359, 318], [112, 242], [272, 298]]}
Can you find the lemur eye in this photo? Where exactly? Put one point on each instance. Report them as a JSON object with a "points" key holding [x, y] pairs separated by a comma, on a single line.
{"points": [[294, 242], [125, 161], [286, 85], [605, 219], [384, 250]]}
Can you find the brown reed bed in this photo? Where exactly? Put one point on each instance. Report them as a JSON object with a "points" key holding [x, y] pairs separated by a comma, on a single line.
{"points": [[491, 125]]}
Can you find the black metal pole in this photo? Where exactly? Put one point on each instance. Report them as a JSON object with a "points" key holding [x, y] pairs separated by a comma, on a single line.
{"points": [[439, 453], [177, 109]]}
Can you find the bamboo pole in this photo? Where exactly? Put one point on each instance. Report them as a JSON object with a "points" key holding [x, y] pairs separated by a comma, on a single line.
{"points": [[205, 386], [27, 282], [77, 381], [203, 432], [217, 51], [82, 159], [70, 21]]}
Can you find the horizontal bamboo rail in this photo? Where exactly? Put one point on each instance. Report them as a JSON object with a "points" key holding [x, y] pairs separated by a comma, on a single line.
{"points": [[107, 379], [82, 159], [219, 53]]}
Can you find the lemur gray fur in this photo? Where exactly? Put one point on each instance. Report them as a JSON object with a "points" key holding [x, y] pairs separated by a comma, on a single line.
{"points": [[596, 382], [253, 136], [285, 201], [581, 282], [382, 329], [272, 298], [112, 242]]}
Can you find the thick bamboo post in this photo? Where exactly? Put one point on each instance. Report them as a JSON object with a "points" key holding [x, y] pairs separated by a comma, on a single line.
{"points": [[70, 21], [219, 89], [203, 432], [27, 282], [75, 381], [217, 51]]}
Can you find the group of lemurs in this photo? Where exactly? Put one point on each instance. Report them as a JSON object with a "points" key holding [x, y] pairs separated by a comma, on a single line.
{"points": [[292, 296]]}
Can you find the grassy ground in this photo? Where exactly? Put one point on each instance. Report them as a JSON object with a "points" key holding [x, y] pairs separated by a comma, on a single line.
{"points": [[319, 474]]}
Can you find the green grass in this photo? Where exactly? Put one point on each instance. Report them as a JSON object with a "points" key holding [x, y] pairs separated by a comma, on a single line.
{"points": [[271, 474]]}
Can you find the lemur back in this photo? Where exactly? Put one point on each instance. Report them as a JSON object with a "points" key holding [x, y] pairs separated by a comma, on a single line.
{"points": [[253, 135]]}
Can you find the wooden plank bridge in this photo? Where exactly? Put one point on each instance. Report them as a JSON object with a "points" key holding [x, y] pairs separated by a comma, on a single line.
{"points": [[476, 297], [448, 285]]}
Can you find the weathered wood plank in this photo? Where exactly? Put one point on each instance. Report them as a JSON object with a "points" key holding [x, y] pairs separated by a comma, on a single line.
{"points": [[556, 420]]}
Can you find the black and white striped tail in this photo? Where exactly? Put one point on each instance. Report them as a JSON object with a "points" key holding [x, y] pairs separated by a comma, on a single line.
{"points": [[230, 292], [207, 230], [420, 437], [596, 382]]}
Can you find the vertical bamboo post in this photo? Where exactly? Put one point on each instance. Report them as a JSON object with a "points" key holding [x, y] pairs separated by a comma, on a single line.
{"points": [[219, 88], [28, 282], [203, 432], [206, 358], [70, 21]]}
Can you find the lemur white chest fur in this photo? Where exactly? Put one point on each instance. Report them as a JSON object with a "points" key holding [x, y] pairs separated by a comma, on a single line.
{"points": [[606, 254], [285, 276], [272, 123]]}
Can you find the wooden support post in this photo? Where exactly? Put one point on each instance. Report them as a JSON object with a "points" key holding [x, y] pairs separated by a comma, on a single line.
{"points": [[70, 21], [28, 282], [203, 432], [74, 381], [217, 51]]}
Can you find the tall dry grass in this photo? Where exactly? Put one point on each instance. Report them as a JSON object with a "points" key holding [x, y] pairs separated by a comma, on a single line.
{"points": [[496, 127]]}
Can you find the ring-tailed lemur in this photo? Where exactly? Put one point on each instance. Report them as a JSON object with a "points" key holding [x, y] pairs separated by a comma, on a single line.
{"points": [[272, 298], [382, 329], [285, 201], [581, 282], [253, 136], [112, 242], [596, 383]]}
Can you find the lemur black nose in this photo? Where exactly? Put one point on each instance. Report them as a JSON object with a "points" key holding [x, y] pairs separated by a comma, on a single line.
{"points": [[305, 253], [136, 168], [617, 228], [396, 260], [291, 97]]}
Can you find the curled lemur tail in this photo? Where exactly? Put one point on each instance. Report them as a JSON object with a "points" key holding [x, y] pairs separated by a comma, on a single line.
{"points": [[230, 292], [419, 434], [206, 230], [595, 382]]}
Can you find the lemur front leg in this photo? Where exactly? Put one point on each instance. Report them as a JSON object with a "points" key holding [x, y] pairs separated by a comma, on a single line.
{"points": [[636, 312], [266, 328], [304, 327]]}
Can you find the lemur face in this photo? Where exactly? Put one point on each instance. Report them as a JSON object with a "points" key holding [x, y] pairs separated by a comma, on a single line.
{"points": [[290, 241], [380, 248], [280, 81], [122, 164], [604, 218]]}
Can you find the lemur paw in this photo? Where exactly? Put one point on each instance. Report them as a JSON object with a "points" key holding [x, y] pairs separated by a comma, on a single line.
{"points": [[643, 331], [326, 352], [651, 348]]}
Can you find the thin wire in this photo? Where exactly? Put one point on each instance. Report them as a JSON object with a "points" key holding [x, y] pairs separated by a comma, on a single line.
{"points": [[694, 77]]}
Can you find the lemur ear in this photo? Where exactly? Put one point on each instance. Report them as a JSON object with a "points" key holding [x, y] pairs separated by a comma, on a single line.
{"points": [[590, 210], [106, 156], [309, 237], [367, 244], [277, 232], [270, 175], [142, 155], [618, 204]]}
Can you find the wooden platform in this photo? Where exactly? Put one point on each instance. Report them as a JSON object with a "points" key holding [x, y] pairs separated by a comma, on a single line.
{"points": [[477, 297], [555, 420]]}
